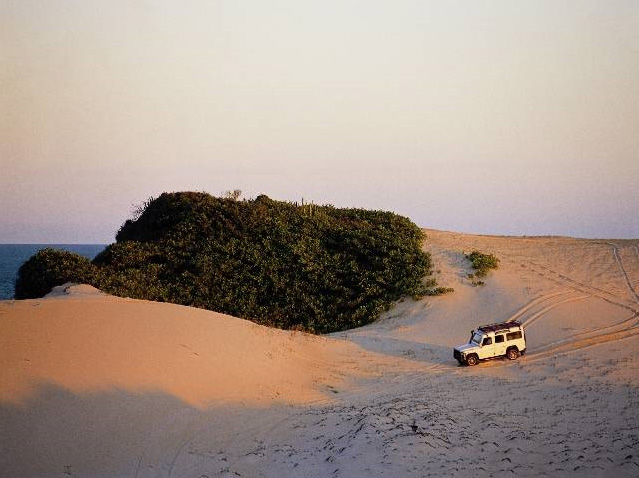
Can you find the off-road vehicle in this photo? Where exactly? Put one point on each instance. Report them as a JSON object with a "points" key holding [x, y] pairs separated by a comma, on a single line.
{"points": [[491, 341]]}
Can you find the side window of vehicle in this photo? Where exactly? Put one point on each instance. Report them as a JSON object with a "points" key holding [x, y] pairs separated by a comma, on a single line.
{"points": [[487, 341], [499, 339], [513, 335]]}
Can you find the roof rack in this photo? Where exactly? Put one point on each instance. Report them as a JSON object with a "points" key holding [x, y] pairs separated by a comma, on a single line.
{"points": [[499, 326]]}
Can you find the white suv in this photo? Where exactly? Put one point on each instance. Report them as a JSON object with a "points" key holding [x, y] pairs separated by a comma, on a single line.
{"points": [[491, 341]]}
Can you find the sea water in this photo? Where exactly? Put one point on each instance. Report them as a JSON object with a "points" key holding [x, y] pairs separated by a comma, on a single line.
{"points": [[12, 256]]}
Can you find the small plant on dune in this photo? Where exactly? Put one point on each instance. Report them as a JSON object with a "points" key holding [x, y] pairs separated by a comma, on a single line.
{"points": [[440, 291], [432, 289], [482, 264]]}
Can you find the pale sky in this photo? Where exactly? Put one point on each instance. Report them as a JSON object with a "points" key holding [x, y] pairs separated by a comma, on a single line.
{"points": [[497, 117]]}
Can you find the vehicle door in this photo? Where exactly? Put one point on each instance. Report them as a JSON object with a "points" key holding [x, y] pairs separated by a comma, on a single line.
{"points": [[487, 348], [500, 344]]}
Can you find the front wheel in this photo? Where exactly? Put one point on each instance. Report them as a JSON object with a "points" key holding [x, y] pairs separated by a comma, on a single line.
{"points": [[472, 360], [512, 354]]}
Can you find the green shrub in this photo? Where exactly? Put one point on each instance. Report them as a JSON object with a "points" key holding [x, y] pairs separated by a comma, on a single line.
{"points": [[482, 264], [49, 268], [440, 291], [314, 268]]}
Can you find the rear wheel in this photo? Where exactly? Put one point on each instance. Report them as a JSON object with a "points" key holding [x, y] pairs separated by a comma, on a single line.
{"points": [[472, 360], [512, 354]]}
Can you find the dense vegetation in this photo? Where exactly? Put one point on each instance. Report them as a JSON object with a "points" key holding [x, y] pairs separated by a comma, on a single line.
{"points": [[49, 268], [482, 264], [316, 268]]}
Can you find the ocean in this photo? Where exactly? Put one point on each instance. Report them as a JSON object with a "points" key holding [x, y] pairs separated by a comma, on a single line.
{"points": [[12, 256]]}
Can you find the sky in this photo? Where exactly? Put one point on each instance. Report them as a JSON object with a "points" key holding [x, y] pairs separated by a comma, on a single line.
{"points": [[516, 117]]}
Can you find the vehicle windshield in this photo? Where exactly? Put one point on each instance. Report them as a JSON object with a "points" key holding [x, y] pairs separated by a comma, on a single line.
{"points": [[476, 339]]}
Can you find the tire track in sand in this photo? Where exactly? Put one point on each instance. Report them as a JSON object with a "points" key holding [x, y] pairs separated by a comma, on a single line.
{"points": [[536, 315], [562, 279], [534, 302], [620, 331], [590, 339], [526, 321], [543, 312], [617, 257]]}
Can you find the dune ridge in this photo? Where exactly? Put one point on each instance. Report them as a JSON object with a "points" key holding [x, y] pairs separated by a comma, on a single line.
{"points": [[83, 340]]}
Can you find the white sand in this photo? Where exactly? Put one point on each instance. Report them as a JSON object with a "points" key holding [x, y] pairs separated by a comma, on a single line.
{"points": [[96, 386]]}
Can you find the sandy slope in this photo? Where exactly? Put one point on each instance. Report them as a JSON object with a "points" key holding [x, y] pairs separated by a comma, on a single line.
{"points": [[92, 385], [85, 341]]}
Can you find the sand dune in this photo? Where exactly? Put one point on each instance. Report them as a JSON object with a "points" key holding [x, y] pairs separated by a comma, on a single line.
{"points": [[84, 341], [92, 385]]}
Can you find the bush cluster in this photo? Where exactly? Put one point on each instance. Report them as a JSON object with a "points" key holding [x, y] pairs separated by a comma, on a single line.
{"points": [[482, 264], [49, 268], [315, 268]]}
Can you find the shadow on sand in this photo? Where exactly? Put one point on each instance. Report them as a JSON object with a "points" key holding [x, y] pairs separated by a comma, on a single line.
{"points": [[58, 433]]}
